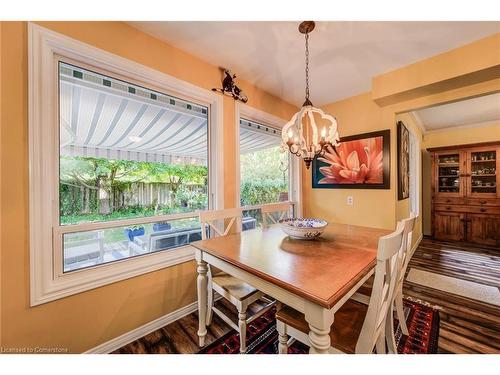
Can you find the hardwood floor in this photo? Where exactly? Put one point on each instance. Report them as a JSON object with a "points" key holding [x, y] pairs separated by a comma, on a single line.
{"points": [[467, 325], [180, 337]]}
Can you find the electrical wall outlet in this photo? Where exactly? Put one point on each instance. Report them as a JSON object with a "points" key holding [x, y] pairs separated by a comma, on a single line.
{"points": [[350, 200]]}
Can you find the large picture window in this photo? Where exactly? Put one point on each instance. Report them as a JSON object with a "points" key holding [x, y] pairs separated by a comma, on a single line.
{"points": [[122, 158], [127, 152]]}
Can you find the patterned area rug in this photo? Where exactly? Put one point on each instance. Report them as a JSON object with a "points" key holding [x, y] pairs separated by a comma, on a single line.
{"points": [[262, 337]]}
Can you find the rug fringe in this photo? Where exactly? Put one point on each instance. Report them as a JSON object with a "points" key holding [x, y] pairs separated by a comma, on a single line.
{"points": [[425, 303]]}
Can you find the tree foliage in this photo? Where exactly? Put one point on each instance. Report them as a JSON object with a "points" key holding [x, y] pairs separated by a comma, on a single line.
{"points": [[89, 186], [107, 177], [264, 175]]}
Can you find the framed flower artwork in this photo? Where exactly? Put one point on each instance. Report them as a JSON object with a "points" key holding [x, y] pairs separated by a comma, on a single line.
{"points": [[361, 161]]}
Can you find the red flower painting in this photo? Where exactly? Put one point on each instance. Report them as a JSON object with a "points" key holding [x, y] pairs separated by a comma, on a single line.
{"points": [[354, 162]]}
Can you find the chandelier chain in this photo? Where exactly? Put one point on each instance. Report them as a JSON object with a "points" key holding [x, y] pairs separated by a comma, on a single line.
{"points": [[301, 135], [307, 66]]}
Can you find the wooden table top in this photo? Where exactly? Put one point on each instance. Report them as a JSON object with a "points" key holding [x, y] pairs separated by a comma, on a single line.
{"points": [[321, 270]]}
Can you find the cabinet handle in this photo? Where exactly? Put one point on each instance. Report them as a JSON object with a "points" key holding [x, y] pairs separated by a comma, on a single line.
{"points": [[448, 208], [483, 202], [483, 209], [448, 201]]}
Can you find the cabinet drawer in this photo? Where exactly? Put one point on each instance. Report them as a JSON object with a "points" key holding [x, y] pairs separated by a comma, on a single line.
{"points": [[448, 200], [483, 201], [451, 208], [471, 209], [484, 210]]}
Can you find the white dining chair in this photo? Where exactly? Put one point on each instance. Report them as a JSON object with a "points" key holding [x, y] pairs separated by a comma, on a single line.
{"points": [[406, 256], [364, 292], [272, 213], [357, 327], [237, 292]]}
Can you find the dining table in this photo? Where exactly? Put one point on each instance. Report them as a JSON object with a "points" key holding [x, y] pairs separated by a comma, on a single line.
{"points": [[315, 276]]}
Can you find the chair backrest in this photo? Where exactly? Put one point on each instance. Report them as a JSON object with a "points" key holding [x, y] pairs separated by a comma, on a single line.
{"points": [[282, 209], [220, 221], [406, 253], [381, 299]]}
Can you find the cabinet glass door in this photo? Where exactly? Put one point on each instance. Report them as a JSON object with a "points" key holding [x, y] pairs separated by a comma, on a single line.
{"points": [[448, 173], [483, 173]]}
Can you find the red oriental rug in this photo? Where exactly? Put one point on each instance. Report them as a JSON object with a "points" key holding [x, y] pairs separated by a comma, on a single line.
{"points": [[262, 337]]}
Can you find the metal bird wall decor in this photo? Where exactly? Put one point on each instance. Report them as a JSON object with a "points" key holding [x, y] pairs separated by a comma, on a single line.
{"points": [[229, 87]]}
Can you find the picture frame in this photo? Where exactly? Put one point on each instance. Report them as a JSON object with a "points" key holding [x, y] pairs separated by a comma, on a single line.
{"points": [[361, 161], [403, 155]]}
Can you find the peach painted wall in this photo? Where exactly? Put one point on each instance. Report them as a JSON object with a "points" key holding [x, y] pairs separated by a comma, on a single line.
{"points": [[464, 66], [375, 208], [460, 136], [85, 320]]}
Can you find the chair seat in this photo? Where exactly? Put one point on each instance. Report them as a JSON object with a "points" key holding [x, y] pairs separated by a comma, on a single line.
{"points": [[345, 329], [235, 287]]}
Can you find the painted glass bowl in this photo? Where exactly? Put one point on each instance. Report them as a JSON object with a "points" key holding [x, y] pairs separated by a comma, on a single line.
{"points": [[303, 228]]}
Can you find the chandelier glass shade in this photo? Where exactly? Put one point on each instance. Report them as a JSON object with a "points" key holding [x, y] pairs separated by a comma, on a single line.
{"points": [[310, 131]]}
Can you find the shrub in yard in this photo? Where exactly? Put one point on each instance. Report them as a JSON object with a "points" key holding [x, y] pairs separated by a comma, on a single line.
{"points": [[261, 191]]}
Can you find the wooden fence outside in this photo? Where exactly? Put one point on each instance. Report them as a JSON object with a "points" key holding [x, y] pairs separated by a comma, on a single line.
{"points": [[138, 194]]}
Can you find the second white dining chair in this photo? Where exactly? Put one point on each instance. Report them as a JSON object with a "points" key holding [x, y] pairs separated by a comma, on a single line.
{"points": [[239, 293], [357, 328], [365, 291], [272, 213]]}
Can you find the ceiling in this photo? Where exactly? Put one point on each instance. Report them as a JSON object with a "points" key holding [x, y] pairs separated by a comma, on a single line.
{"points": [[482, 110], [344, 56]]}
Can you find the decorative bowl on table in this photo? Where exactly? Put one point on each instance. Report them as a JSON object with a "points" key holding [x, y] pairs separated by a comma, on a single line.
{"points": [[303, 228]]}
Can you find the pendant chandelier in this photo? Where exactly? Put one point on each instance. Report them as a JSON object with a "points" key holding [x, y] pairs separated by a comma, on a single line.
{"points": [[300, 136]]}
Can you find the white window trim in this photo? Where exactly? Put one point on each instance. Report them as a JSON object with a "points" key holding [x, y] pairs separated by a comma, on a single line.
{"points": [[44, 47], [415, 173], [261, 117]]}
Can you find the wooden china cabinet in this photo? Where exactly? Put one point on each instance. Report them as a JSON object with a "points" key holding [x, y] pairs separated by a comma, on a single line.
{"points": [[465, 193]]}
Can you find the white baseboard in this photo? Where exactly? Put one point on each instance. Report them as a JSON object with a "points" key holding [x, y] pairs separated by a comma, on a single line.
{"points": [[141, 331], [414, 248], [145, 329]]}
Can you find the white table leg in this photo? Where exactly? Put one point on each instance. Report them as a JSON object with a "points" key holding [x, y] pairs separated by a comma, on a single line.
{"points": [[320, 320], [319, 339], [202, 297], [282, 337], [242, 325]]}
